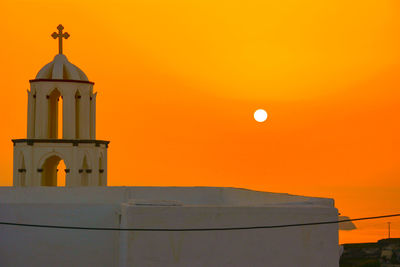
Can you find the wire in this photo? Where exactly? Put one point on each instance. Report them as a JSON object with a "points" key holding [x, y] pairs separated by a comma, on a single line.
{"points": [[194, 229]]}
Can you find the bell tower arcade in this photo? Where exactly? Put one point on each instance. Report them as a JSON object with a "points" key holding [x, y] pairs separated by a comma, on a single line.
{"points": [[61, 126]]}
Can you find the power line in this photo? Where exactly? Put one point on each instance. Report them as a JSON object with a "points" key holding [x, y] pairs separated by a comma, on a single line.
{"points": [[194, 229]]}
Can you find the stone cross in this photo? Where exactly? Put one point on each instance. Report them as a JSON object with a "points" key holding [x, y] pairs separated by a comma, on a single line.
{"points": [[60, 35]]}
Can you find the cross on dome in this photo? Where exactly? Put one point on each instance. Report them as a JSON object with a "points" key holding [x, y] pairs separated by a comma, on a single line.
{"points": [[60, 68], [60, 35]]}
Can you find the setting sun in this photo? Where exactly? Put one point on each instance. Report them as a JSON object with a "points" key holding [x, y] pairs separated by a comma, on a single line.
{"points": [[260, 115]]}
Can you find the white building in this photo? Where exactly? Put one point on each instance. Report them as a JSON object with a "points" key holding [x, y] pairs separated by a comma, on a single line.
{"points": [[36, 158], [159, 214]]}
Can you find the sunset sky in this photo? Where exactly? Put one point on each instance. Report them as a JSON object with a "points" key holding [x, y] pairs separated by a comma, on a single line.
{"points": [[178, 82]]}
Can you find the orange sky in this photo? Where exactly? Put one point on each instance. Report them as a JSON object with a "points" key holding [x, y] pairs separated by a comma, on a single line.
{"points": [[178, 82]]}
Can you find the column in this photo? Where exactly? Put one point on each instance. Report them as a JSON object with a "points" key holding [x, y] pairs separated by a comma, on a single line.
{"points": [[15, 166], [105, 166], [69, 114], [74, 176], [30, 168], [93, 166], [31, 115], [93, 117], [84, 116]]}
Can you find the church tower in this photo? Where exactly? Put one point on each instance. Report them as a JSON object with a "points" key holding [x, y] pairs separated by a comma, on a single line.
{"points": [[61, 126]]}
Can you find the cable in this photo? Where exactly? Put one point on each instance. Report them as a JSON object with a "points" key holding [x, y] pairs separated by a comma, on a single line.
{"points": [[194, 229]]}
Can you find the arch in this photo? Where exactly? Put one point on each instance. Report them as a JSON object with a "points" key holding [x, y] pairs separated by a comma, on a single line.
{"points": [[52, 153], [62, 173], [53, 110], [78, 97], [49, 171]]}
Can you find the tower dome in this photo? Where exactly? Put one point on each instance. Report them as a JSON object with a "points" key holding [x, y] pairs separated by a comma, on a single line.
{"points": [[61, 69]]}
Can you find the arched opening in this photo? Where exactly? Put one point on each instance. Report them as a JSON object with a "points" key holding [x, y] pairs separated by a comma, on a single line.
{"points": [[60, 118], [101, 171], [53, 114], [22, 171], [53, 172], [77, 113], [61, 173], [84, 171]]}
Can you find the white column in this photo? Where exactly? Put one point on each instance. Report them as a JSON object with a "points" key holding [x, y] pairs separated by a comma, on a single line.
{"points": [[105, 167], [84, 116], [69, 114], [94, 166], [93, 117], [31, 116], [30, 167], [74, 172], [70, 164], [15, 166], [36, 176]]}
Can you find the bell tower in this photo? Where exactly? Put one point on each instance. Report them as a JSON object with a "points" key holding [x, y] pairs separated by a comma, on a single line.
{"points": [[61, 126]]}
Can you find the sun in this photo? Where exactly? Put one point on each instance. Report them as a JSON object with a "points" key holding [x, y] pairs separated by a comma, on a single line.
{"points": [[260, 115]]}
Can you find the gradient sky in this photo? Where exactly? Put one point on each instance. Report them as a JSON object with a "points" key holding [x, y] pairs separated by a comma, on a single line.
{"points": [[178, 82]]}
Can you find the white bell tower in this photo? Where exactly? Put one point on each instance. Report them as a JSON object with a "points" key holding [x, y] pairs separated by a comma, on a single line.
{"points": [[60, 87]]}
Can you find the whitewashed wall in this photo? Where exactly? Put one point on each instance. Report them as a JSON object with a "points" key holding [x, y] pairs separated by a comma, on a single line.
{"points": [[72, 155], [38, 247], [299, 246], [201, 207]]}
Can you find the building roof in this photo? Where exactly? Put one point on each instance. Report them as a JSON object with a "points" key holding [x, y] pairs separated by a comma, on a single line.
{"points": [[61, 69]]}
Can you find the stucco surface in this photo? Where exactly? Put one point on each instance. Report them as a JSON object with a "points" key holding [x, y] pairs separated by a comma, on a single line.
{"points": [[26, 246], [164, 207], [61, 68], [185, 195]]}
